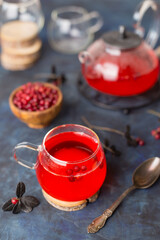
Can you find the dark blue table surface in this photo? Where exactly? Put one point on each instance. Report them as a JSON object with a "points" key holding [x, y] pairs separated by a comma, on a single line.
{"points": [[138, 216]]}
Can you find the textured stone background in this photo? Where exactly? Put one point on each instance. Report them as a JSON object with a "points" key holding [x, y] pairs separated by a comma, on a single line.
{"points": [[138, 216]]}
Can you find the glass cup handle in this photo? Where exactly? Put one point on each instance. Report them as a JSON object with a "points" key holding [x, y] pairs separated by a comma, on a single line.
{"points": [[98, 24], [22, 162], [154, 30]]}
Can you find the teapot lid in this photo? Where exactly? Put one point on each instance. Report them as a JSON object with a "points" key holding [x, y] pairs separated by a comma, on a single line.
{"points": [[122, 39]]}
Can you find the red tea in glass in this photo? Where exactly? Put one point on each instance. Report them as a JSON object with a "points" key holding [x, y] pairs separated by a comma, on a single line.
{"points": [[71, 165], [125, 73]]}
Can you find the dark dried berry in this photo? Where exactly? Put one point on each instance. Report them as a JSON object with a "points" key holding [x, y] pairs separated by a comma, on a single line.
{"points": [[106, 142], [128, 128], [113, 148], [126, 111], [8, 206], [116, 152], [50, 80], [53, 69], [130, 140], [105, 150], [20, 189], [63, 78], [79, 80]]}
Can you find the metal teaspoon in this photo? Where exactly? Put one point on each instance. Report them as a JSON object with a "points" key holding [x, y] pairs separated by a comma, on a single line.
{"points": [[144, 176]]}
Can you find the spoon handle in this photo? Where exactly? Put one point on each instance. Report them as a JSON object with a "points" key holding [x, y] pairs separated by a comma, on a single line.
{"points": [[99, 222]]}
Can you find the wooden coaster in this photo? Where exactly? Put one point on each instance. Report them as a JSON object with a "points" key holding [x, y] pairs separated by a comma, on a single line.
{"points": [[23, 51], [12, 60], [69, 206], [19, 32], [16, 67]]}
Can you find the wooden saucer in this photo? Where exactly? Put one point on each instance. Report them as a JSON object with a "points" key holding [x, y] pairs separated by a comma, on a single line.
{"points": [[69, 206], [19, 32], [20, 44], [24, 51]]}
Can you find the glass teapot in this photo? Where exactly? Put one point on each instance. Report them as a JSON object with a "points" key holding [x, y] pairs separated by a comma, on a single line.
{"points": [[121, 63]]}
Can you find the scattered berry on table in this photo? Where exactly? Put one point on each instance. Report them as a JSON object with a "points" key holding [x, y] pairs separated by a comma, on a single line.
{"points": [[140, 141], [156, 133]]}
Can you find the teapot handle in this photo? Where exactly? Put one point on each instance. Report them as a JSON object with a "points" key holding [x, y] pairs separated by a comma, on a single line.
{"points": [[22, 162], [154, 30]]}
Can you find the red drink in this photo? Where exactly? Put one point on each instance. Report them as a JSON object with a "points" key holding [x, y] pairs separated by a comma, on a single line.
{"points": [[123, 73], [73, 165]]}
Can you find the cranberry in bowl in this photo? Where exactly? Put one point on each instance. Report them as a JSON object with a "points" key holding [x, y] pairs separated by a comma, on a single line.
{"points": [[36, 104]]}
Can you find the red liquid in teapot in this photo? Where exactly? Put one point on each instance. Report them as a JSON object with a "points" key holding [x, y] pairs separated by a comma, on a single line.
{"points": [[71, 179], [129, 73]]}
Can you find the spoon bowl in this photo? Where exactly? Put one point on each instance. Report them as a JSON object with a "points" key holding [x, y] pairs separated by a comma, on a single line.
{"points": [[147, 173]]}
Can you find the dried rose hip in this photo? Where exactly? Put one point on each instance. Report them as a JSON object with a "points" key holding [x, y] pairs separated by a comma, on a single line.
{"points": [[35, 97]]}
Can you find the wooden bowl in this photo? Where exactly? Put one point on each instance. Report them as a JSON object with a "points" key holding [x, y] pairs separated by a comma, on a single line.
{"points": [[37, 119]]}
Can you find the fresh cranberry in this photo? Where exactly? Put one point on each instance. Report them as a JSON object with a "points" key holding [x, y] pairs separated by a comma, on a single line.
{"points": [[141, 143], [14, 200], [28, 98], [153, 132], [72, 179], [35, 97], [42, 102], [157, 136], [41, 108], [101, 165], [83, 168], [76, 168], [69, 171], [138, 139]]}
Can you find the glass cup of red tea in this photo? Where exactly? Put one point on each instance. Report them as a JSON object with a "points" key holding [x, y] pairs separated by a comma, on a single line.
{"points": [[70, 166]]}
